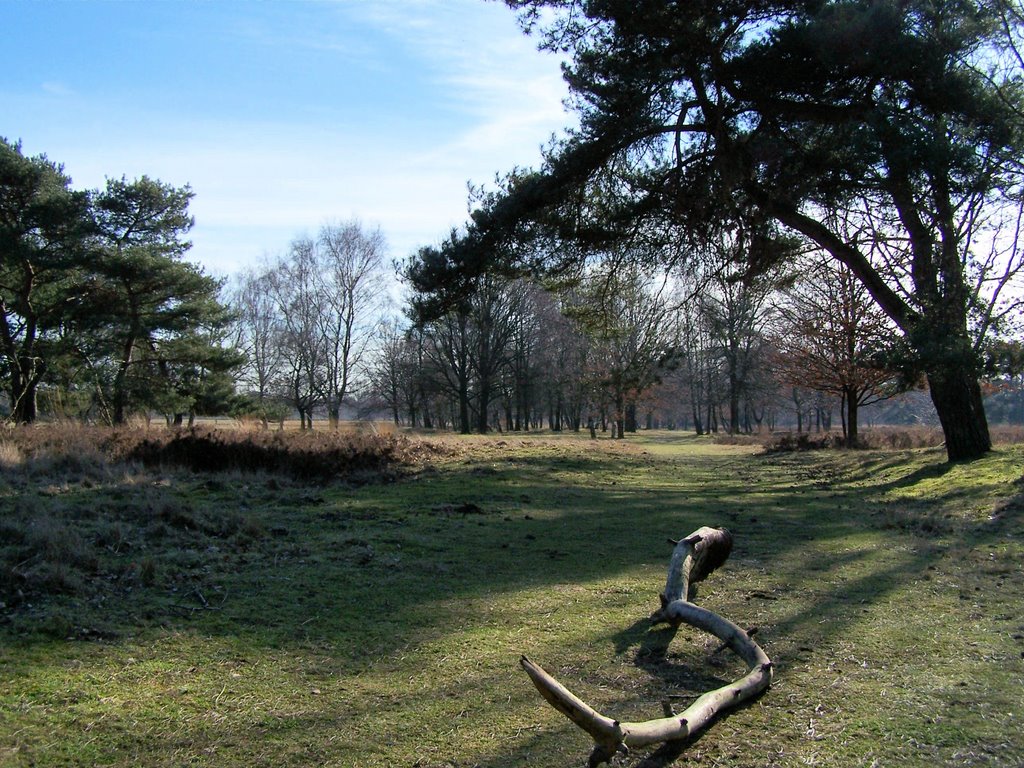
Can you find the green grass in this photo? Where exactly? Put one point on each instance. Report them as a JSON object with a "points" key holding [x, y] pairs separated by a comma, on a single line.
{"points": [[245, 620]]}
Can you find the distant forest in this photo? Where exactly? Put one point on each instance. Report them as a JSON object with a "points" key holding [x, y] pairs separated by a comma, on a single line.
{"points": [[105, 319], [617, 350]]}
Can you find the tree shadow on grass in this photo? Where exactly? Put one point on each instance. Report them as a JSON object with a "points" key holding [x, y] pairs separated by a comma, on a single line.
{"points": [[367, 573], [383, 556]]}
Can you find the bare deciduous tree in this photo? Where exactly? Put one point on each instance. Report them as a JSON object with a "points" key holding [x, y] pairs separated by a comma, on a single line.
{"points": [[306, 319], [259, 335], [829, 339], [349, 286]]}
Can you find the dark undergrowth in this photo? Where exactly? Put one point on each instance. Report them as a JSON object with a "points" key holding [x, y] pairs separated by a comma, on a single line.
{"points": [[321, 456], [872, 438]]}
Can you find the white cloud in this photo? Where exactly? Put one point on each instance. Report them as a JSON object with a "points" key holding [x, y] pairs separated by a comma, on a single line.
{"points": [[485, 67], [261, 182], [57, 89]]}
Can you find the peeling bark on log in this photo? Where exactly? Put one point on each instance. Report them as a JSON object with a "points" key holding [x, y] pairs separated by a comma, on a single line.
{"points": [[693, 559]]}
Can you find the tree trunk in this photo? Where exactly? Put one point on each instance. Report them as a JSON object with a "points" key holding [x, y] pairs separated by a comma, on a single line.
{"points": [[121, 378], [956, 395], [24, 377], [734, 404], [852, 404], [25, 408], [464, 421], [484, 386]]}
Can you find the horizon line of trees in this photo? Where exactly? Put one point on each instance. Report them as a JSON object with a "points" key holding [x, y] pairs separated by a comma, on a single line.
{"points": [[624, 350], [104, 319]]}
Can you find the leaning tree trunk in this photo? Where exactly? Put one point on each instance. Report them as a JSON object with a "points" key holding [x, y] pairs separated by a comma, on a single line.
{"points": [[693, 559], [956, 395]]}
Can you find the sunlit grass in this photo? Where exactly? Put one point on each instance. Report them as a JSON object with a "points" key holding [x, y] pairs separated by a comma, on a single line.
{"points": [[381, 625]]}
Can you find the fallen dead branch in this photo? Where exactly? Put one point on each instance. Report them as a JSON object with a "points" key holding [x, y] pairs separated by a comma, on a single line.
{"points": [[693, 559]]}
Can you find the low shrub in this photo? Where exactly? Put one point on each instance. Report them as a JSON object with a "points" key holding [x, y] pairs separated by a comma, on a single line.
{"points": [[801, 441], [900, 438], [317, 456], [873, 438], [1007, 434], [75, 453], [70, 452]]}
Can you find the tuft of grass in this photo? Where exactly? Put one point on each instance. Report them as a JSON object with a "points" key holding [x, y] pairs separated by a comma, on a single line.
{"points": [[11, 457], [245, 619]]}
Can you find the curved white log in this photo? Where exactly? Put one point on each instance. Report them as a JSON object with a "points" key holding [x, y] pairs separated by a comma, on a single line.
{"points": [[693, 558]]}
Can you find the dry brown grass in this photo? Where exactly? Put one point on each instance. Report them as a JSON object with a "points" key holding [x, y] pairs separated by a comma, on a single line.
{"points": [[86, 505], [73, 452]]}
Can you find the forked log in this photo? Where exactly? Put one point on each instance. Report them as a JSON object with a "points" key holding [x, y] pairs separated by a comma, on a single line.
{"points": [[693, 559]]}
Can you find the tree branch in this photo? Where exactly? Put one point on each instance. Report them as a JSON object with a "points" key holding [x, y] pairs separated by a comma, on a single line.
{"points": [[693, 558]]}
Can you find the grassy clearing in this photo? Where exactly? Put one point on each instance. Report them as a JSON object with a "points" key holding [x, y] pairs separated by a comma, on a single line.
{"points": [[248, 619]]}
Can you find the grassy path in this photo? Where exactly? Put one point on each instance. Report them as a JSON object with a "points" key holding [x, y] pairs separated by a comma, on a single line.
{"points": [[381, 626]]}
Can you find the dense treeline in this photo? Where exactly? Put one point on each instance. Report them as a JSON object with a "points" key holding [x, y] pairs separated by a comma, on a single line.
{"points": [[104, 319], [620, 352]]}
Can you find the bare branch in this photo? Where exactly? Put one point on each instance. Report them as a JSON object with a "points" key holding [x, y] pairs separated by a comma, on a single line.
{"points": [[693, 559]]}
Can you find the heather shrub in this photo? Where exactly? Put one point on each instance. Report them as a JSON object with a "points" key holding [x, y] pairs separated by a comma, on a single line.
{"points": [[75, 453], [317, 456], [803, 441], [1007, 434], [11, 457], [68, 452], [901, 438]]}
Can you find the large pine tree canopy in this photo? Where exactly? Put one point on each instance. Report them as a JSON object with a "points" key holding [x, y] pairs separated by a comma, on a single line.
{"points": [[882, 133]]}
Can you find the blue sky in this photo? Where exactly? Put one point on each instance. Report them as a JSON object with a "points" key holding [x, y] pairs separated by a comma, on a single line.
{"points": [[282, 115]]}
